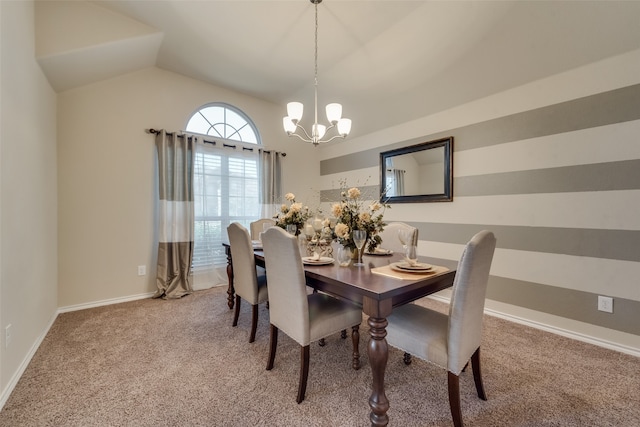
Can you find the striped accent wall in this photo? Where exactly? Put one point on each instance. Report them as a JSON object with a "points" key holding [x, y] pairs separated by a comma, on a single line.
{"points": [[560, 188]]}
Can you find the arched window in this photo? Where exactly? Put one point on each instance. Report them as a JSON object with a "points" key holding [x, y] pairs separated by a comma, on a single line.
{"points": [[222, 120], [226, 187]]}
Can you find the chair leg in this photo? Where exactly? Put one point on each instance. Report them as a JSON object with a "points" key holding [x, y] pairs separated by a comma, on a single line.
{"points": [[304, 372], [355, 339], [343, 334], [236, 313], [477, 374], [273, 343], [254, 323], [453, 382], [406, 358]]}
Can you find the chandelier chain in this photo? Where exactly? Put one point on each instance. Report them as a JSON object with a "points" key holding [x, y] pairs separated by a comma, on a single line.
{"points": [[316, 47]]}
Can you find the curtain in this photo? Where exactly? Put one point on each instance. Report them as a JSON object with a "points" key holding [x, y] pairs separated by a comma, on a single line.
{"points": [[270, 173], [175, 222], [398, 182]]}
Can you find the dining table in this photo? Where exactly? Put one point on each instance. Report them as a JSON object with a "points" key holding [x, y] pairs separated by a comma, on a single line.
{"points": [[378, 287]]}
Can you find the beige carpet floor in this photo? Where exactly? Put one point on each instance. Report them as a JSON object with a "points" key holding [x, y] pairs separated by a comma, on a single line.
{"points": [[180, 363]]}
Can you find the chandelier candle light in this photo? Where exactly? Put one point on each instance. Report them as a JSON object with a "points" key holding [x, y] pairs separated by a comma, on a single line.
{"points": [[334, 111]]}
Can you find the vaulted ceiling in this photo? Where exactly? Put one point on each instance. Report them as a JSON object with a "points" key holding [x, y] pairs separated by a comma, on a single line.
{"points": [[387, 62]]}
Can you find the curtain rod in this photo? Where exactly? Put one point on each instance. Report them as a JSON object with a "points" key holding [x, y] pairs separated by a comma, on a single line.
{"points": [[155, 131]]}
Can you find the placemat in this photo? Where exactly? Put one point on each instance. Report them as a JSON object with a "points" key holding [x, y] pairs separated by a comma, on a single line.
{"points": [[388, 271]]}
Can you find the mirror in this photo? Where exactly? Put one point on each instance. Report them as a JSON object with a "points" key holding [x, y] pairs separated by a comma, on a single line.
{"points": [[418, 173]]}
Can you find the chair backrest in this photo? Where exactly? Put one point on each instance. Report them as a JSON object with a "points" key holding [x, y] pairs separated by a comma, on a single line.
{"points": [[288, 304], [257, 227], [390, 238], [245, 280], [467, 300]]}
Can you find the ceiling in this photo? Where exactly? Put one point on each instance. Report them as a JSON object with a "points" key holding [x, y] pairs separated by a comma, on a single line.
{"points": [[387, 62]]}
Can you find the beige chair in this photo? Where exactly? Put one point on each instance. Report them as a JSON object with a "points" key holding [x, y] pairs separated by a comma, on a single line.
{"points": [[248, 284], [449, 341], [257, 227], [303, 317], [391, 240]]}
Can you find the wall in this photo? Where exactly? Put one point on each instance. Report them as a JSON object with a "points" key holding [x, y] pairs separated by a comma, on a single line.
{"points": [[28, 206], [107, 174], [553, 168]]}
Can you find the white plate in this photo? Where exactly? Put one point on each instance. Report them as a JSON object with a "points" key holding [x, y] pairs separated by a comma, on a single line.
{"points": [[320, 261], [379, 252], [404, 266]]}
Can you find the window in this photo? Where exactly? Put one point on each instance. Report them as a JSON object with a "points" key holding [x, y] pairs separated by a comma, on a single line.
{"points": [[223, 121], [226, 184]]}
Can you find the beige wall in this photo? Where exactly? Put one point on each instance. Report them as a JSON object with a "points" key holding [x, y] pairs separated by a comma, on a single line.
{"points": [[107, 170], [28, 199]]}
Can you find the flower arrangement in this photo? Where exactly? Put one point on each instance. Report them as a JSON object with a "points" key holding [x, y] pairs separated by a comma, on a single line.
{"points": [[352, 214], [294, 213]]}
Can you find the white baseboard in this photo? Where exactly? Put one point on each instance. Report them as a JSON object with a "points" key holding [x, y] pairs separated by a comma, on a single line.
{"points": [[25, 362], [104, 302], [555, 330]]}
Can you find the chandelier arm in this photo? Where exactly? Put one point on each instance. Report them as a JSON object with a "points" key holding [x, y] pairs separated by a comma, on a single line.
{"points": [[326, 131], [309, 137], [300, 137], [332, 138]]}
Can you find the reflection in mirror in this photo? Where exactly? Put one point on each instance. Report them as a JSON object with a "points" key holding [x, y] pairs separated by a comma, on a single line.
{"points": [[418, 173]]}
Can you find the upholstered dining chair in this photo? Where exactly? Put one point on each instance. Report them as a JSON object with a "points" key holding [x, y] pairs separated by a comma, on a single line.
{"points": [[248, 283], [390, 239], [257, 227], [302, 316], [449, 341]]}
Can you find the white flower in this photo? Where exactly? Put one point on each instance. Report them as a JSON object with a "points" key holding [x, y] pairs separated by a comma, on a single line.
{"points": [[342, 230], [353, 193], [336, 210], [296, 207], [290, 197], [375, 206]]}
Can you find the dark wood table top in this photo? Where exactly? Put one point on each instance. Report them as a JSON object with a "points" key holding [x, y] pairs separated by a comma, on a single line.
{"points": [[354, 283]]}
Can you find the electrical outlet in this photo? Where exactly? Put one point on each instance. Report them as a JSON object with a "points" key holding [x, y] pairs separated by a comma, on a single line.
{"points": [[7, 335], [605, 304], [142, 270]]}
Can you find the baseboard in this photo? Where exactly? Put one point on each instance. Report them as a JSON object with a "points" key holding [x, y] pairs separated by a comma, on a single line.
{"points": [[104, 302], [555, 330], [25, 362]]}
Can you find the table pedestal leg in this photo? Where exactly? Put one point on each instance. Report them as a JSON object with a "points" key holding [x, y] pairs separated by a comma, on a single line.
{"points": [[230, 291], [378, 355]]}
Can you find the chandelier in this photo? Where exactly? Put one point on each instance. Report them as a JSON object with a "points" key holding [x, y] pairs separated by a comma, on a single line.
{"points": [[291, 122]]}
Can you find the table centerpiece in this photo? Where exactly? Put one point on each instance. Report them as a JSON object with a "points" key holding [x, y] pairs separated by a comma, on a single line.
{"points": [[352, 213]]}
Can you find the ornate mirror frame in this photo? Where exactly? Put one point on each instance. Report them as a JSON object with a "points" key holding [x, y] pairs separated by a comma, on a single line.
{"points": [[423, 164]]}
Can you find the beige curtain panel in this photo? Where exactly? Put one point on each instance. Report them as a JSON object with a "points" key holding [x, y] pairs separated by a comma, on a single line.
{"points": [[271, 181], [175, 214]]}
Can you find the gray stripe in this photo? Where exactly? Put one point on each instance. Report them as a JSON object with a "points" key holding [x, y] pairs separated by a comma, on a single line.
{"points": [[616, 106], [369, 192], [596, 243], [567, 303], [621, 175]]}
